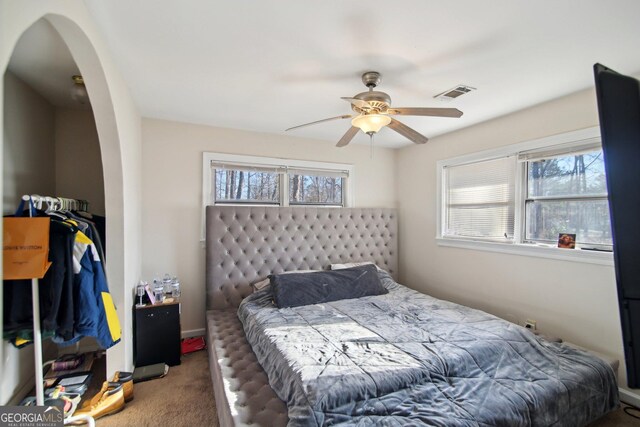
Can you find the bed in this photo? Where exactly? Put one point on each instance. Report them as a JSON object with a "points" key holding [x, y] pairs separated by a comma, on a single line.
{"points": [[245, 244]]}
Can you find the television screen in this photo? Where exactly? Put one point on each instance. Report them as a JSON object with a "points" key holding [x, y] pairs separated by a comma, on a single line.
{"points": [[619, 112]]}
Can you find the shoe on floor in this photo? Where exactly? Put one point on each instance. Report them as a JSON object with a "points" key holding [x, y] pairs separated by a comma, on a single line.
{"points": [[95, 399], [109, 400], [126, 379]]}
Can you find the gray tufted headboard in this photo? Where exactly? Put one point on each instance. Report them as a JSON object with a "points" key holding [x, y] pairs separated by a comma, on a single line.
{"points": [[247, 243]]}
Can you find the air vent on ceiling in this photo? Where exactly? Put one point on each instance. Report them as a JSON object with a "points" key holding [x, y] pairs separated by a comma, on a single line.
{"points": [[451, 94]]}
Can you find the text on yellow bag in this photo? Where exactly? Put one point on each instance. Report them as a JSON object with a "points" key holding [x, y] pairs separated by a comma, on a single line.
{"points": [[25, 248]]}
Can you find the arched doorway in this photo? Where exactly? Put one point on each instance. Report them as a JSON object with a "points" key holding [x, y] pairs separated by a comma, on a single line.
{"points": [[107, 126]]}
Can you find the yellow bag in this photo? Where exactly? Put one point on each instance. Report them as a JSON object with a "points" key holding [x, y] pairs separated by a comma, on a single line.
{"points": [[25, 248]]}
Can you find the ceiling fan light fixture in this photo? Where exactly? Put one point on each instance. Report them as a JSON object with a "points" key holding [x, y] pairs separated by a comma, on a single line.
{"points": [[373, 112], [371, 123]]}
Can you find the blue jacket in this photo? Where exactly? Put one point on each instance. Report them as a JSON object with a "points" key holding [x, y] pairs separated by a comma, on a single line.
{"points": [[94, 312]]}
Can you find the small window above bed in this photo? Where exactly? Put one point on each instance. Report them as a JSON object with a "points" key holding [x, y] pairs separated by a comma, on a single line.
{"points": [[234, 183], [230, 179], [316, 187]]}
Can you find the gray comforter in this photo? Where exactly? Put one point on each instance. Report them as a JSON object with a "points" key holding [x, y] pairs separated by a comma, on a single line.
{"points": [[406, 358]]}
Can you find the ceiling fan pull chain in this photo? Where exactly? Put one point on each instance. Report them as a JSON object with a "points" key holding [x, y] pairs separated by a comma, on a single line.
{"points": [[371, 144]]}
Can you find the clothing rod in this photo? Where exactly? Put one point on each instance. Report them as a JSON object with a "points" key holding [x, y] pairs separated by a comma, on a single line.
{"points": [[37, 333], [63, 202], [38, 198]]}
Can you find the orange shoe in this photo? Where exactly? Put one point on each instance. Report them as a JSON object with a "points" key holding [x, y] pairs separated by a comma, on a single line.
{"points": [[126, 379], [95, 399], [109, 400], [119, 378]]}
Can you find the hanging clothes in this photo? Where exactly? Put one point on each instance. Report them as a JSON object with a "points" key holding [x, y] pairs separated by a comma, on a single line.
{"points": [[98, 226], [101, 228], [74, 295], [53, 287], [91, 230], [95, 314]]}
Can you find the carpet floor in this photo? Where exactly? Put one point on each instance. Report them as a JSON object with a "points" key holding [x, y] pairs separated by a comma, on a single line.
{"points": [[185, 398], [617, 418]]}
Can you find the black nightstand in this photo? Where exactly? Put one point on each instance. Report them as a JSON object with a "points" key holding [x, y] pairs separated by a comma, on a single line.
{"points": [[156, 330]]}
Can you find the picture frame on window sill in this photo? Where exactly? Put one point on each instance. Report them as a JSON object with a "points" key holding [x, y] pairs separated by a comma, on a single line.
{"points": [[567, 241]]}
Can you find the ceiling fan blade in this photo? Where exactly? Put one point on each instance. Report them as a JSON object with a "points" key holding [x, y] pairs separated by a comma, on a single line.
{"points": [[344, 116], [407, 132], [437, 112], [347, 137], [364, 105]]}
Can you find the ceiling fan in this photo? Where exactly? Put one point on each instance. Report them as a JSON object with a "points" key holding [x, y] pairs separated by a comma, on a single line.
{"points": [[373, 112]]}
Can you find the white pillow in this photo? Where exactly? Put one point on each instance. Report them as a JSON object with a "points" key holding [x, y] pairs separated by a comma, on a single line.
{"points": [[264, 283], [261, 284], [352, 264]]}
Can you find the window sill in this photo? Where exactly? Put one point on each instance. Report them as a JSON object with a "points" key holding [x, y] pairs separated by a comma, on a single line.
{"points": [[574, 255]]}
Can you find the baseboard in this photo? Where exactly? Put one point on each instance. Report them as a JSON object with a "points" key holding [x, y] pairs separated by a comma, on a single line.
{"points": [[629, 397], [193, 333]]}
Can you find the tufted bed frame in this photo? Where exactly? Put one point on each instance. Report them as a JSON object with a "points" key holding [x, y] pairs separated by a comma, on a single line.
{"points": [[246, 244]]}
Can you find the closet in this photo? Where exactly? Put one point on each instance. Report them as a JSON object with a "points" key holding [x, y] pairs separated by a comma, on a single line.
{"points": [[51, 147]]}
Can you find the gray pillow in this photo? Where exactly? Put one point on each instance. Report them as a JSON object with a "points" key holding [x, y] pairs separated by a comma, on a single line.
{"points": [[294, 290]]}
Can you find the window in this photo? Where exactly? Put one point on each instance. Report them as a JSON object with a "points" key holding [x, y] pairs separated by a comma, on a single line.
{"points": [[252, 184], [567, 193], [245, 184], [526, 195], [237, 179], [315, 188], [480, 199]]}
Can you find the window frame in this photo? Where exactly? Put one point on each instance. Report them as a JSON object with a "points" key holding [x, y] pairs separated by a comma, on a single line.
{"points": [[275, 162], [576, 197], [518, 246]]}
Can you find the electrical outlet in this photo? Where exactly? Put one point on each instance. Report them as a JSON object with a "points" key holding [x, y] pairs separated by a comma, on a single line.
{"points": [[530, 324]]}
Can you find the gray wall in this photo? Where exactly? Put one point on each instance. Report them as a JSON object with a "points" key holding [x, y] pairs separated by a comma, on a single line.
{"points": [[29, 161], [77, 157]]}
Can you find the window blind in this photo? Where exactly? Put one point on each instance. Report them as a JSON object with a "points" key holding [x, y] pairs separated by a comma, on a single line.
{"points": [[248, 167], [331, 173], [319, 172], [480, 199], [573, 149]]}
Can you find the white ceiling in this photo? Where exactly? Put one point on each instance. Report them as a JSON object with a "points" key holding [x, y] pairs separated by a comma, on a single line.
{"points": [[271, 64]]}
